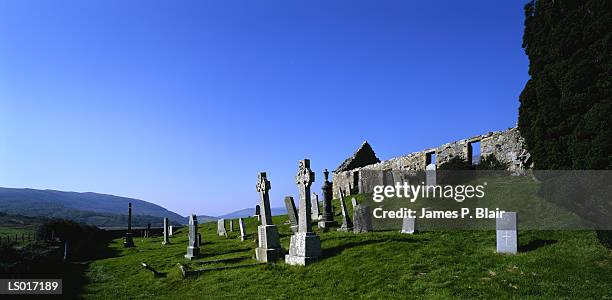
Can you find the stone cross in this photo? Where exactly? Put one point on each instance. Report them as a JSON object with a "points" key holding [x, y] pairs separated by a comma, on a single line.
{"points": [[193, 247], [263, 186], [304, 246], [221, 231], [347, 225], [242, 229], [129, 241], [292, 214], [315, 206], [507, 233], [362, 218], [328, 209], [166, 237], [268, 241]]}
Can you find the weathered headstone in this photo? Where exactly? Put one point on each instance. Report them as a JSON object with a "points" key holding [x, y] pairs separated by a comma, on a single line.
{"points": [[507, 233], [315, 206], [257, 212], [129, 241], [193, 248], [170, 231], [347, 225], [354, 202], [166, 236], [221, 231], [328, 212], [231, 223], [291, 213], [268, 240], [408, 225], [430, 175], [362, 218], [304, 246], [242, 229]]}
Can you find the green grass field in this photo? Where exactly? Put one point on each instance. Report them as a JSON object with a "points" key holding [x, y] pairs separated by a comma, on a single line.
{"points": [[430, 264]]}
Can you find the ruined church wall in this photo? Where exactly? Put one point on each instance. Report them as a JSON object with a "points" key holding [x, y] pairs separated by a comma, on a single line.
{"points": [[508, 147]]}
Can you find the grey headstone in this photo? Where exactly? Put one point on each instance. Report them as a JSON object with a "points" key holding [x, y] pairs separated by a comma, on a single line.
{"points": [[166, 236], [193, 248], [328, 211], [304, 246], [507, 233], [269, 248], [408, 225], [242, 229], [315, 206], [129, 241], [171, 231], [221, 231], [257, 212], [347, 224], [354, 202], [362, 218], [291, 213]]}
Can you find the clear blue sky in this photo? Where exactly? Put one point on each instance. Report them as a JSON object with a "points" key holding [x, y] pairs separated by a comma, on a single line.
{"points": [[182, 103]]}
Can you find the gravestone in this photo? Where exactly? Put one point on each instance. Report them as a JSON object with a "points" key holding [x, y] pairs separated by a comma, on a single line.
{"points": [[231, 223], [362, 218], [242, 229], [315, 206], [193, 248], [304, 246], [347, 225], [354, 202], [269, 249], [148, 231], [507, 233], [221, 231], [408, 225], [129, 241], [430, 175], [166, 236], [170, 231], [257, 212], [291, 213], [328, 212]]}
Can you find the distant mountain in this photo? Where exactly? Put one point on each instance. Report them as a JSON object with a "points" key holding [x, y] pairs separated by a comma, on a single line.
{"points": [[247, 212], [205, 218], [91, 208]]}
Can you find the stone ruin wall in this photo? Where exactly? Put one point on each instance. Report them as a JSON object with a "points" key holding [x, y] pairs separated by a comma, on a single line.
{"points": [[508, 147]]}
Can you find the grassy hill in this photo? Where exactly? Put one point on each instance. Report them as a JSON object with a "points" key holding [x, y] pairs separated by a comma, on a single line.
{"points": [[91, 208], [432, 264]]}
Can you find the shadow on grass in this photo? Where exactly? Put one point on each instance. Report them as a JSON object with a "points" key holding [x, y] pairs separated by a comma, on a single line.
{"points": [[333, 251], [535, 244]]}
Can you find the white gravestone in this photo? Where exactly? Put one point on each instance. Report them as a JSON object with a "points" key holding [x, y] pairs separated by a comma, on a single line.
{"points": [[507, 233]]}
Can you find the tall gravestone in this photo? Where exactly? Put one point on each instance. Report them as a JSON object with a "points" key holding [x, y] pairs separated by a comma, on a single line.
{"points": [[231, 223], [362, 218], [328, 209], [292, 214], [257, 212], [166, 236], [507, 233], [315, 206], [193, 248], [221, 231], [268, 240], [129, 241], [347, 224], [242, 229], [304, 246], [170, 231]]}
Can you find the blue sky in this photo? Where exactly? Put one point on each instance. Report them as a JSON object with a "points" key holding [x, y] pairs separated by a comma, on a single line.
{"points": [[182, 103]]}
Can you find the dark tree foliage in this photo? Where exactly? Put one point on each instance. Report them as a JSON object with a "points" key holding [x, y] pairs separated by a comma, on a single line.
{"points": [[565, 112]]}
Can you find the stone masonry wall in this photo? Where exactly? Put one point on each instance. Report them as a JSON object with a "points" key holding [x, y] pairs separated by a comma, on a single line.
{"points": [[508, 147]]}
